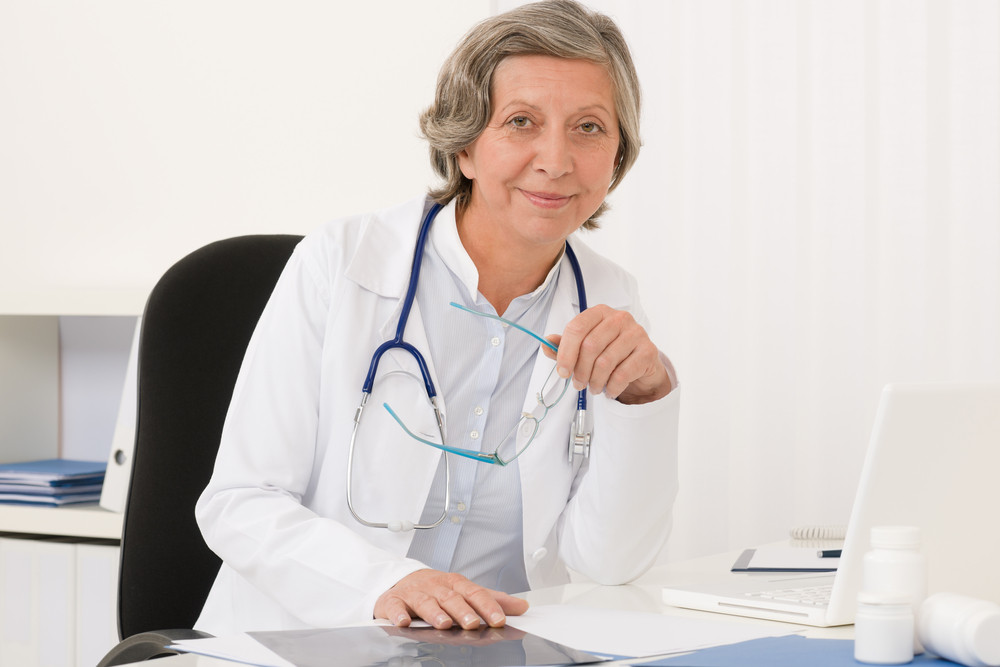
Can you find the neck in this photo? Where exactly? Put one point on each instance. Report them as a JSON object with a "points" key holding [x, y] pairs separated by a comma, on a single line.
{"points": [[506, 269]]}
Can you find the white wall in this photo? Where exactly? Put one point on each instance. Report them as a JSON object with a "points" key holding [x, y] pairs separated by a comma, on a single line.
{"points": [[816, 210], [132, 132], [815, 213]]}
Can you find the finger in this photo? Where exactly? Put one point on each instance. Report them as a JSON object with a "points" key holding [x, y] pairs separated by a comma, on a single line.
{"points": [[572, 338], [599, 347], [554, 339], [628, 357], [512, 606], [427, 607], [460, 608], [485, 602], [614, 352], [499, 606], [611, 368], [628, 370], [394, 610]]}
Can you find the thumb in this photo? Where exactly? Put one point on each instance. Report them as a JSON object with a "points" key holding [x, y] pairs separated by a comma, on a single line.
{"points": [[555, 339]]}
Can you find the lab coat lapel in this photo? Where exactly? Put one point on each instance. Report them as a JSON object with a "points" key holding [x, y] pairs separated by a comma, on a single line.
{"points": [[555, 428], [381, 265], [565, 306], [546, 476]]}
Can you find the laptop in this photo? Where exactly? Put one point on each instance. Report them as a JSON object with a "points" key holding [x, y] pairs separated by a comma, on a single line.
{"points": [[934, 462]]}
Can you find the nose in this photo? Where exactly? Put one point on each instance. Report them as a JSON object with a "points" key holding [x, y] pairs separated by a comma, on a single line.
{"points": [[553, 154]]}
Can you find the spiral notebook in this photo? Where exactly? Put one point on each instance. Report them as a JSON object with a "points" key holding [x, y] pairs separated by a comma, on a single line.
{"points": [[932, 462]]}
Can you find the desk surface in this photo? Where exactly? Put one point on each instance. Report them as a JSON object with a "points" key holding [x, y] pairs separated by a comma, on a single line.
{"points": [[640, 595]]}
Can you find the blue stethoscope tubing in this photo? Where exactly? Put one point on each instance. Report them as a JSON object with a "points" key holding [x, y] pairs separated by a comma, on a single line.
{"points": [[579, 438]]}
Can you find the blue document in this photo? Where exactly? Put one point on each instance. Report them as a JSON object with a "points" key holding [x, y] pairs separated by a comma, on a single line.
{"points": [[51, 482], [53, 472], [788, 651]]}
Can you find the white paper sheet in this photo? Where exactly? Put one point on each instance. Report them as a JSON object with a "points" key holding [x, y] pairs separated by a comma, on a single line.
{"points": [[635, 633], [238, 648]]}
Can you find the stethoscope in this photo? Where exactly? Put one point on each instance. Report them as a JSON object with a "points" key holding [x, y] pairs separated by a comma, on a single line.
{"points": [[580, 437]]}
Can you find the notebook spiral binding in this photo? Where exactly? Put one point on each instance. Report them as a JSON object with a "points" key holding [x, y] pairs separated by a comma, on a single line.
{"points": [[819, 533]]}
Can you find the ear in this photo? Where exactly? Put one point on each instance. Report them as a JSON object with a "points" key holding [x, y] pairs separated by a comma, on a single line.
{"points": [[466, 164]]}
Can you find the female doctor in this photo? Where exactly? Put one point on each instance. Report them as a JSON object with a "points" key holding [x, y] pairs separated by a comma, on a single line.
{"points": [[478, 467]]}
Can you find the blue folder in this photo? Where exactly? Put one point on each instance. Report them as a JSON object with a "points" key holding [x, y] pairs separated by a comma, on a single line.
{"points": [[788, 651]]}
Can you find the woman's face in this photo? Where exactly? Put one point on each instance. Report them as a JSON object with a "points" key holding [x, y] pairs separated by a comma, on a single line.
{"points": [[545, 161]]}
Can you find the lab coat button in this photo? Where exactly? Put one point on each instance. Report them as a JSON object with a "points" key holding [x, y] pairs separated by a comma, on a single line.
{"points": [[539, 554], [495, 341]]}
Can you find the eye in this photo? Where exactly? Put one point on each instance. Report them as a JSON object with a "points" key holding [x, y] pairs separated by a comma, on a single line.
{"points": [[520, 121], [590, 128]]}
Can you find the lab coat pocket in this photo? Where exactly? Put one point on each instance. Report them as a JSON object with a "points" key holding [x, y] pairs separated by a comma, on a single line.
{"points": [[393, 469]]}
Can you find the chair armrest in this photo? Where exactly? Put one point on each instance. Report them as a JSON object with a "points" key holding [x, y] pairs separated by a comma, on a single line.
{"points": [[147, 646]]}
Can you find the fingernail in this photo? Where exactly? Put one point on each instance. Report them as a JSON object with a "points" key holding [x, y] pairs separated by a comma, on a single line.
{"points": [[578, 385], [402, 619], [442, 621], [470, 621], [562, 372], [497, 619]]}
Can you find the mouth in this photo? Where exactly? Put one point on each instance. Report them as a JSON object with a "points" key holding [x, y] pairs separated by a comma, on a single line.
{"points": [[549, 200]]}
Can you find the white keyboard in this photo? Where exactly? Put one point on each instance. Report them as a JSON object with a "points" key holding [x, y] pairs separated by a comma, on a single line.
{"points": [[818, 596]]}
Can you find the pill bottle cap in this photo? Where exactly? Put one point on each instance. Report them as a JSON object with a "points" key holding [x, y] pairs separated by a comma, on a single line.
{"points": [[982, 634], [895, 537]]}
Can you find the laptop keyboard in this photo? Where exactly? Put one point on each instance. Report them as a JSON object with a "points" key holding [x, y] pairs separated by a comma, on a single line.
{"points": [[818, 596]]}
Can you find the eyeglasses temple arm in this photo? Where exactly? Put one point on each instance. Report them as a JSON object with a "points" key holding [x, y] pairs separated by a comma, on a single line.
{"points": [[507, 322], [469, 454]]}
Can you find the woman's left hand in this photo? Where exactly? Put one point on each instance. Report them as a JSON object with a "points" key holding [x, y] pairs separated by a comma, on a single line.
{"points": [[607, 351]]}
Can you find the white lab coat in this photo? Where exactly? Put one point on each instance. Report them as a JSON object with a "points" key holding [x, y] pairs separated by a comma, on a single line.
{"points": [[275, 509]]}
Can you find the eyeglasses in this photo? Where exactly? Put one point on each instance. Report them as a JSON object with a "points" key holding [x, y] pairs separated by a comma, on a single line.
{"points": [[524, 431]]}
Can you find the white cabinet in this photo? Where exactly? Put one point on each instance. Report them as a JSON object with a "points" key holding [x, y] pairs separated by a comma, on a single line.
{"points": [[57, 600], [96, 601]]}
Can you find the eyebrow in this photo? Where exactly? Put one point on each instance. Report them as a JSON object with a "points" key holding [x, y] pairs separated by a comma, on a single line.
{"points": [[583, 109]]}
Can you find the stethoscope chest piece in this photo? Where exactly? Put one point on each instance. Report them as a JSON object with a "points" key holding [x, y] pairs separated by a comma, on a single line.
{"points": [[579, 437]]}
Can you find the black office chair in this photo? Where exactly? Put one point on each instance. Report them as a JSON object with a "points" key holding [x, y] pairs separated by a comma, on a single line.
{"points": [[195, 329]]}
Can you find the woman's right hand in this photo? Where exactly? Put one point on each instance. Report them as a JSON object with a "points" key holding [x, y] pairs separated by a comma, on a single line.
{"points": [[445, 598]]}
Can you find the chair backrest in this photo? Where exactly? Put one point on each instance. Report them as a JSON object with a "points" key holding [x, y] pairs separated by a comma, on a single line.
{"points": [[195, 329]]}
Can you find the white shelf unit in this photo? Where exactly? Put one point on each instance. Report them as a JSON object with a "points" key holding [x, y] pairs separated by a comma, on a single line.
{"points": [[84, 521], [58, 565]]}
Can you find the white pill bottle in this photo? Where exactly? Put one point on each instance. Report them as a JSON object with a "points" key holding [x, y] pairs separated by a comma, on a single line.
{"points": [[883, 629], [962, 629], [896, 566]]}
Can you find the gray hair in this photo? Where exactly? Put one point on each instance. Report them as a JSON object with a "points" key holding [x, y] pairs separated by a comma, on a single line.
{"points": [[560, 28]]}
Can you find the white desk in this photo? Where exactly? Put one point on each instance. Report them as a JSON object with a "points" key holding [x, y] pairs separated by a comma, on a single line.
{"points": [[641, 595]]}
